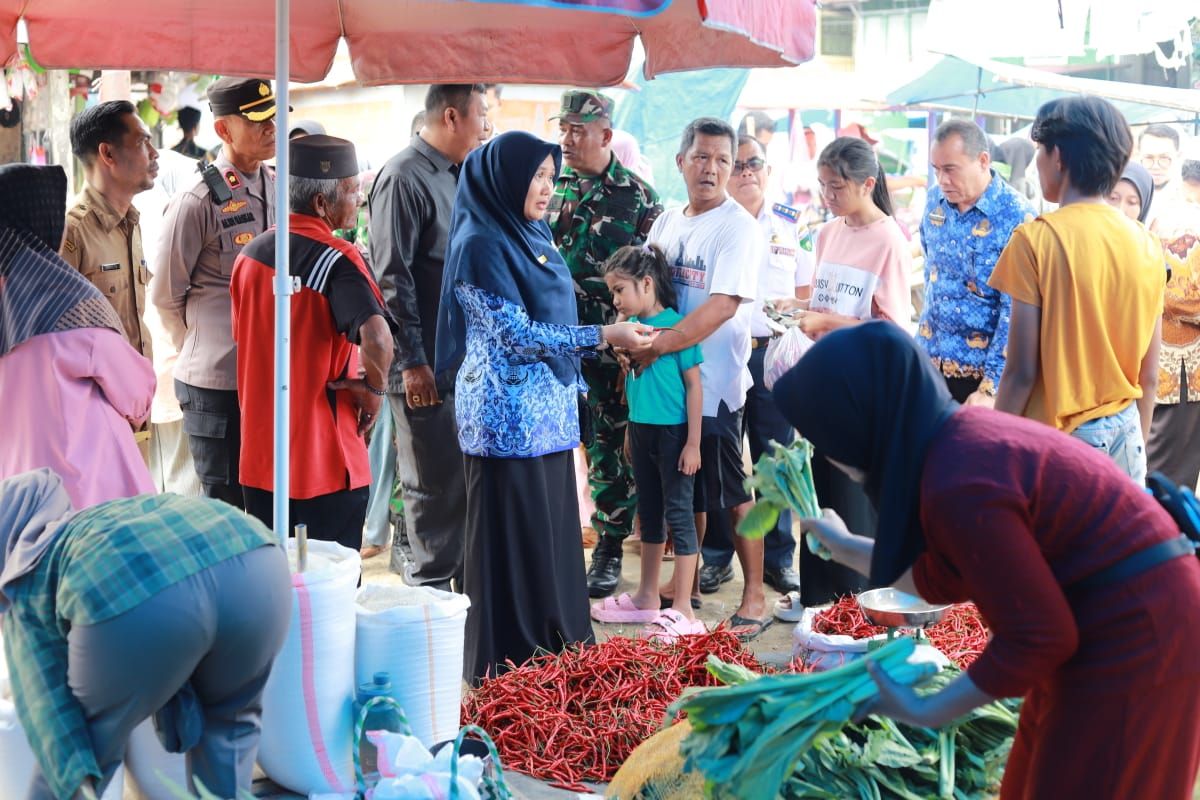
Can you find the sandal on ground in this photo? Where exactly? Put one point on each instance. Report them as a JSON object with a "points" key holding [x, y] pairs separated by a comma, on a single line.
{"points": [[668, 626], [370, 551], [622, 609], [747, 629], [788, 607], [667, 602]]}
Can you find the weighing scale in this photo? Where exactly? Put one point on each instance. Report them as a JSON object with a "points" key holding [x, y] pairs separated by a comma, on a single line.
{"points": [[894, 610]]}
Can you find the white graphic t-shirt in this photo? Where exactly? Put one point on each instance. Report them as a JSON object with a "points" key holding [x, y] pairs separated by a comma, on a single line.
{"points": [[717, 252]]}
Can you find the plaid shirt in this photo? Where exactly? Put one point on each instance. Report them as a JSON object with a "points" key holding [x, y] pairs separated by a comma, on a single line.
{"points": [[107, 560]]}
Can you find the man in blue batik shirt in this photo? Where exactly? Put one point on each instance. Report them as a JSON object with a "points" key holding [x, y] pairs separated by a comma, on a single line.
{"points": [[968, 220]]}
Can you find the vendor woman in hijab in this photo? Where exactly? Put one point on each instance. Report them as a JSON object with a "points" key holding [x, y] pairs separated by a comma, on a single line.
{"points": [[507, 325], [152, 605], [72, 390], [1133, 193], [1091, 594]]}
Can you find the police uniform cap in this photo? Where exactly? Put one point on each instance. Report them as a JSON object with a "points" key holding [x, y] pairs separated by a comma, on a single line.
{"points": [[584, 105], [322, 157], [252, 98]]}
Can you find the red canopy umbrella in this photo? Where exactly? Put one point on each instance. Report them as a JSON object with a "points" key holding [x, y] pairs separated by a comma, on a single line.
{"points": [[587, 42]]}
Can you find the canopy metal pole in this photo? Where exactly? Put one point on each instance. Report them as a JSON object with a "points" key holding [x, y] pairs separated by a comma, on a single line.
{"points": [[283, 281], [978, 91]]}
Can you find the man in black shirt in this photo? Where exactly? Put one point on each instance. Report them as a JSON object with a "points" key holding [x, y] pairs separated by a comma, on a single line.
{"points": [[410, 208], [189, 123]]}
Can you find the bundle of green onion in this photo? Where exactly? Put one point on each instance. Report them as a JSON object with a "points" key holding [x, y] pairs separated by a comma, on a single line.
{"points": [[782, 479], [747, 737]]}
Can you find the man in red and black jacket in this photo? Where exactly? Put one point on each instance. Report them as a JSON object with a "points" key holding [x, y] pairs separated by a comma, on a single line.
{"points": [[336, 388]]}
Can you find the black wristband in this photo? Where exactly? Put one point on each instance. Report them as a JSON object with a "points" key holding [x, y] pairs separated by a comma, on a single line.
{"points": [[372, 389]]}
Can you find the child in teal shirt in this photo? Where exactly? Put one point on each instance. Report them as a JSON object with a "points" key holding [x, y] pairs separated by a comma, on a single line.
{"points": [[664, 443]]}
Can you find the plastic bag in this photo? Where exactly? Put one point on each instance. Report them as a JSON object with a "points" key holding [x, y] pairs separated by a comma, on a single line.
{"points": [[409, 772], [783, 353]]}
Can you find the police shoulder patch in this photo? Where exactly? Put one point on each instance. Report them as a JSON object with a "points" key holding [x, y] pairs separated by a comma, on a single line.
{"points": [[787, 212]]}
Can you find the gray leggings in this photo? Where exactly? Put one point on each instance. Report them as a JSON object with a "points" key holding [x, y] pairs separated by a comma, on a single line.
{"points": [[220, 629]]}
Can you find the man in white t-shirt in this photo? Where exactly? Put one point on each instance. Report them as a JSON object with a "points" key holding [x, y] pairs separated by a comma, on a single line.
{"points": [[714, 248], [786, 271]]}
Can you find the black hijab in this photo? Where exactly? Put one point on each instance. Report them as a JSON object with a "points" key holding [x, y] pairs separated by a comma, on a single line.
{"points": [[495, 247], [868, 397], [39, 292], [1139, 177]]}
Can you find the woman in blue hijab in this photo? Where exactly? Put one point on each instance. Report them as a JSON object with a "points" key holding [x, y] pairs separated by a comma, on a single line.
{"points": [[507, 326]]}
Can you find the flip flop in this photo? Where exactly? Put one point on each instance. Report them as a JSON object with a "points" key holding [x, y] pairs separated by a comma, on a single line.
{"points": [[747, 629], [670, 625], [668, 602], [622, 609], [788, 607]]}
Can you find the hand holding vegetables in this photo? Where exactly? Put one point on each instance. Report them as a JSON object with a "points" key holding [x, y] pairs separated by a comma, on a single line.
{"points": [[935, 710], [781, 480], [827, 535], [746, 738]]}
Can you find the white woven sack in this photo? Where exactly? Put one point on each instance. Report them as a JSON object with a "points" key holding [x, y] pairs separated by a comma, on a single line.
{"points": [[17, 760], [152, 770], [416, 636], [308, 703], [823, 651]]}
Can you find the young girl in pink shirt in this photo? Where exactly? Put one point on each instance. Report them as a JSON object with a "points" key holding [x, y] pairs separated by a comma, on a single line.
{"points": [[863, 259], [863, 262]]}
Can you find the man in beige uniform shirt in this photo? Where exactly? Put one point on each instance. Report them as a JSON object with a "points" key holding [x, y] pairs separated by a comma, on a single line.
{"points": [[204, 229], [102, 239]]}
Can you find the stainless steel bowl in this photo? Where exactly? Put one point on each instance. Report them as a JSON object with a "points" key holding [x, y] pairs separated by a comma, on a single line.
{"points": [[895, 609]]}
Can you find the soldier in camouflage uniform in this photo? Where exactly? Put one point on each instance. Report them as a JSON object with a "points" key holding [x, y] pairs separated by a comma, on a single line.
{"points": [[598, 207]]}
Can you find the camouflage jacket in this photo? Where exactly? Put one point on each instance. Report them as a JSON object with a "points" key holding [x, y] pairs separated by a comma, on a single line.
{"points": [[591, 219]]}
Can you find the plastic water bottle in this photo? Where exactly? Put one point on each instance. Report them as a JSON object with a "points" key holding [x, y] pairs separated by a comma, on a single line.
{"points": [[382, 717]]}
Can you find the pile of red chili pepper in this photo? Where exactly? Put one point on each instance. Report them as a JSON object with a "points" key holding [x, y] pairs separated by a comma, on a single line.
{"points": [[960, 635], [577, 715]]}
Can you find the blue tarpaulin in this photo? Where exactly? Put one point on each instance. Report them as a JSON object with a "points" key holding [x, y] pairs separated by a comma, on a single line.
{"points": [[1000, 89], [657, 114]]}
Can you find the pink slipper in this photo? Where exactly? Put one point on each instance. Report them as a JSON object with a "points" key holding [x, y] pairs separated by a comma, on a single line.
{"points": [[622, 609], [669, 625]]}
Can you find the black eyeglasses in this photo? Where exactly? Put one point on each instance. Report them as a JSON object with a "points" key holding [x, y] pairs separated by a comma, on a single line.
{"points": [[753, 164], [1162, 162]]}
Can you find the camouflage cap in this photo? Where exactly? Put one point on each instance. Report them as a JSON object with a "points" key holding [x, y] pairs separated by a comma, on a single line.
{"points": [[584, 105]]}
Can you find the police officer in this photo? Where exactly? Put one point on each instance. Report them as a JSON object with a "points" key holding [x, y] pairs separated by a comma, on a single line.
{"points": [[204, 229], [599, 206], [787, 272]]}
